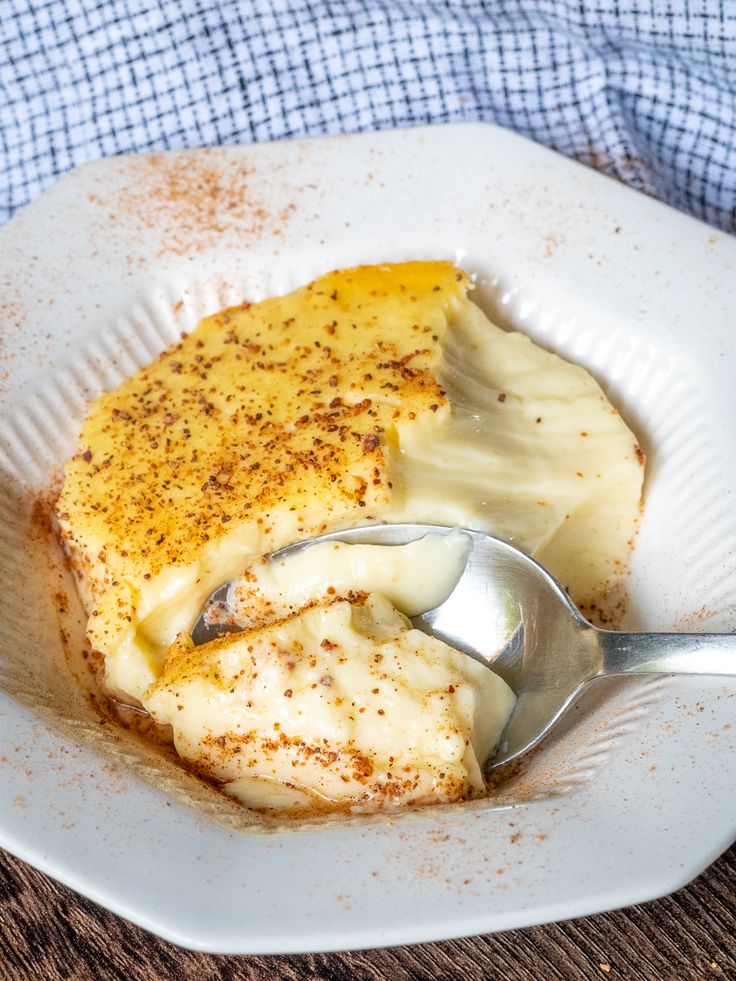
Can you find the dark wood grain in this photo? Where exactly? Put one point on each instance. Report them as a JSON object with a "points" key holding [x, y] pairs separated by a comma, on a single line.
{"points": [[47, 931]]}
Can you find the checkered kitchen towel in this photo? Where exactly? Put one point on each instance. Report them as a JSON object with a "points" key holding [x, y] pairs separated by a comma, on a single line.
{"points": [[642, 89]]}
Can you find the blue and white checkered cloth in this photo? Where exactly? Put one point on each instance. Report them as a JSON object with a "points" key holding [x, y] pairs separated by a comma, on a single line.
{"points": [[642, 89]]}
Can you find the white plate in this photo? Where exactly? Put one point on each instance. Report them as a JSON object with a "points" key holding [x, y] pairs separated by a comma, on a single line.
{"points": [[635, 798]]}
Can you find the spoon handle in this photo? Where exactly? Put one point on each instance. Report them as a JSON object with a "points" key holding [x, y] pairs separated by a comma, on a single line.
{"points": [[663, 653]]}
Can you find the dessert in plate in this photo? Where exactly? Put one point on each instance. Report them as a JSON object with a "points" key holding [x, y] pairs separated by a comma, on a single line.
{"points": [[378, 393]]}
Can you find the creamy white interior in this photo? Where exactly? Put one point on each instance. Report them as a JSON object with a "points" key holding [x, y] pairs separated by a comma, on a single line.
{"points": [[531, 451], [415, 577]]}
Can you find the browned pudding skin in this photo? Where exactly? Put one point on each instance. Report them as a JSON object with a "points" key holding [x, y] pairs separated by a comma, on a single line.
{"points": [[246, 441]]}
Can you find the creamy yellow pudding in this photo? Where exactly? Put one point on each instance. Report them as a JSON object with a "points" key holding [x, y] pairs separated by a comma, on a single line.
{"points": [[343, 704], [380, 393]]}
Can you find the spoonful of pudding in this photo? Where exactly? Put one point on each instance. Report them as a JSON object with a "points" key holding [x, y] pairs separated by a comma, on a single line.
{"points": [[488, 600]]}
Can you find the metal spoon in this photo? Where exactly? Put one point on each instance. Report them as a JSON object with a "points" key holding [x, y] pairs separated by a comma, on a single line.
{"points": [[509, 613]]}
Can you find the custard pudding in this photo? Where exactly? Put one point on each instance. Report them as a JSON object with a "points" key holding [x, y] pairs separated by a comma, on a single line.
{"points": [[380, 393]]}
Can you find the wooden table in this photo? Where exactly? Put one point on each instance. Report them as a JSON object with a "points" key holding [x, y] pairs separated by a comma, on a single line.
{"points": [[47, 931]]}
